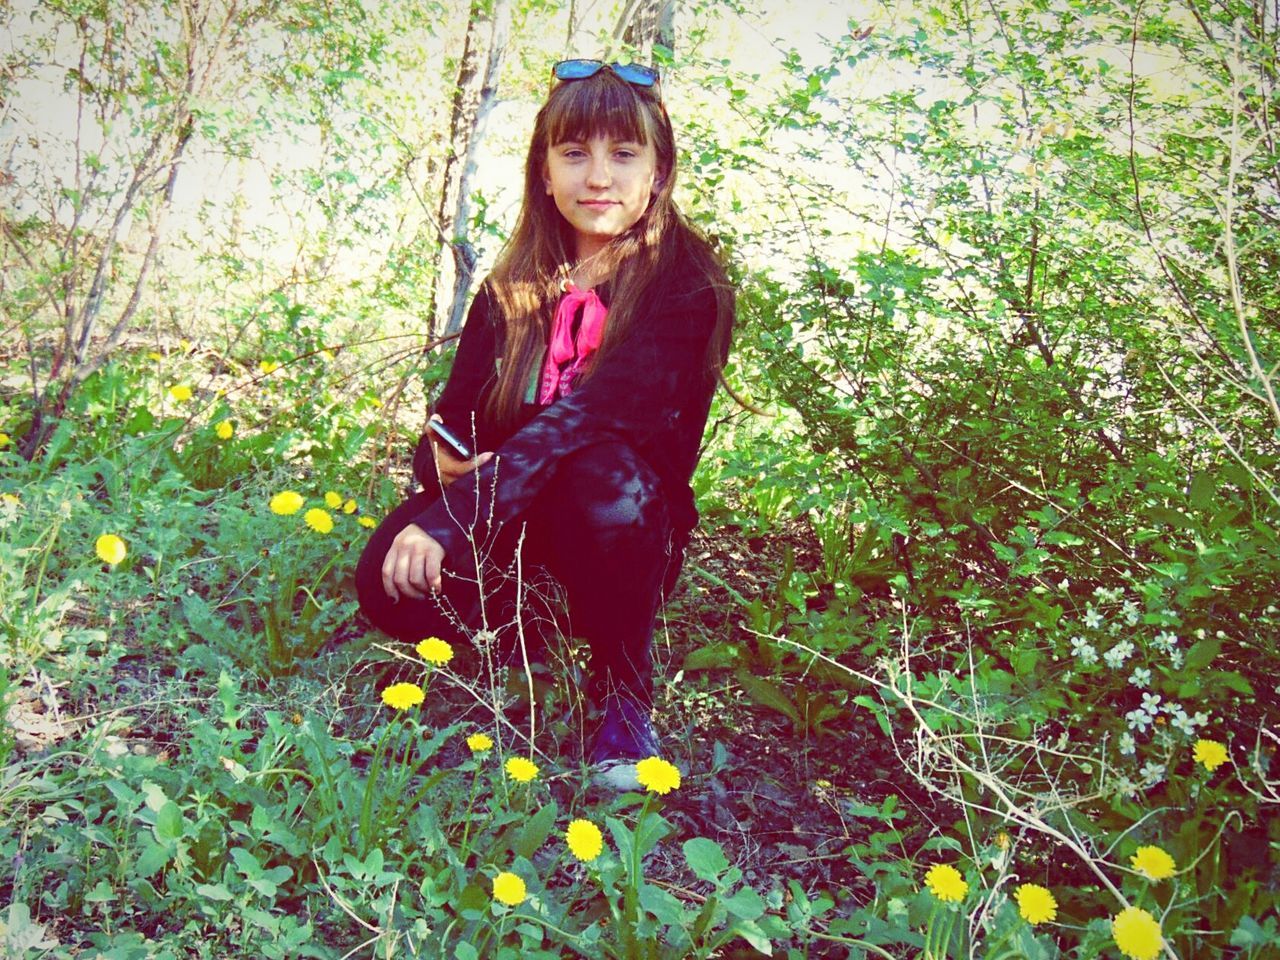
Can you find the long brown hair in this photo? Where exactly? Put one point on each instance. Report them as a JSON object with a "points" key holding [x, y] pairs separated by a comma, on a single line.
{"points": [[526, 280]]}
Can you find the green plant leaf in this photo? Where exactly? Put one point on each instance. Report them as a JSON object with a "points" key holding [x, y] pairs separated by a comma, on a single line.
{"points": [[705, 858], [533, 834], [745, 904], [152, 860], [170, 822], [768, 695]]}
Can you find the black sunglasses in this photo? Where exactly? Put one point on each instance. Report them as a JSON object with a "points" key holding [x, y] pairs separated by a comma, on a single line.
{"points": [[636, 73]]}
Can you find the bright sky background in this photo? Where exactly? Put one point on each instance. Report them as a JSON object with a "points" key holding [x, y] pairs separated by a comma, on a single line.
{"points": [[209, 178]]}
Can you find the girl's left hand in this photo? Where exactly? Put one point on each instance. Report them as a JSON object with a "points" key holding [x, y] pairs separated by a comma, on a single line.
{"points": [[412, 565]]}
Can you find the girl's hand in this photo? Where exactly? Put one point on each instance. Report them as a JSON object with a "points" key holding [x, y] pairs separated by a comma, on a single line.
{"points": [[412, 565], [450, 467]]}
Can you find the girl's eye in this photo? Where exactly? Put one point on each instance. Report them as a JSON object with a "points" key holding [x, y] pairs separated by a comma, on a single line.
{"points": [[625, 154]]}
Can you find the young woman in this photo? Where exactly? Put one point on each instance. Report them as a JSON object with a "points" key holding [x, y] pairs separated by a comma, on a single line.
{"points": [[583, 379]]}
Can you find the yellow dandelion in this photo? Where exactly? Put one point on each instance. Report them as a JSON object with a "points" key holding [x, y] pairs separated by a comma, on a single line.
{"points": [[333, 500], [1036, 904], [1211, 753], [157, 357], [326, 355], [1153, 863], [318, 520], [180, 392], [110, 549], [1137, 934], [508, 889], [4, 440], [480, 743], [402, 696], [225, 429], [349, 507], [521, 770], [945, 883], [434, 650], [12, 498], [584, 839], [286, 503], [268, 367], [367, 522], [657, 776]]}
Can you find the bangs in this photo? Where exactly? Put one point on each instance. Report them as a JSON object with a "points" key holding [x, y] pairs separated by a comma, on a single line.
{"points": [[600, 105]]}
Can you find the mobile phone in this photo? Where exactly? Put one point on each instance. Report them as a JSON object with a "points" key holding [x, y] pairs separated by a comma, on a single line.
{"points": [[450, 438]]}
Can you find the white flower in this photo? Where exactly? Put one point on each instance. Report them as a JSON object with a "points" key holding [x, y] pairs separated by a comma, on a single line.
{"points": [[1084, 650], [1118, 654], [1150, 701], [1175, 659], [1127, 744], [1152, 773], [1131, 613], [1138, 720], [1165, 641], [1093, 619], [1181, 721], [1141, 677]]}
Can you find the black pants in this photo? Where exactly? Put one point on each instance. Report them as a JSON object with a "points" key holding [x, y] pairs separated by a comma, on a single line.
{"points": [[597, 544]]}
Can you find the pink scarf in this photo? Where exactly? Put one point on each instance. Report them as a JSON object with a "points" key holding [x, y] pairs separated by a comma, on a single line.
{"points": [[567, 351]]}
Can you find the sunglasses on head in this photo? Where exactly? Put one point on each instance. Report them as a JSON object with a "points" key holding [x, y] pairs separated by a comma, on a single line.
{"points": [[636, 73]]}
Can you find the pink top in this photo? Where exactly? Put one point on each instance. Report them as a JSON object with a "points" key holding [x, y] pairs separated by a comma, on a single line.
{"points": [[572, 341]]}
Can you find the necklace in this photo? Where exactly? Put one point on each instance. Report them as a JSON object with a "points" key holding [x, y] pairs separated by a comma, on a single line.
{"points": [[578, 273]]}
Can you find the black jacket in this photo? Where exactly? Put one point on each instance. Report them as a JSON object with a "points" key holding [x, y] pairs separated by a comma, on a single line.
{"points": [[651, 391]]}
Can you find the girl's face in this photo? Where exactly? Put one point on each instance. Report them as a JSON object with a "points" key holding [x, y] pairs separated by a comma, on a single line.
{"points": [[602, 186]]}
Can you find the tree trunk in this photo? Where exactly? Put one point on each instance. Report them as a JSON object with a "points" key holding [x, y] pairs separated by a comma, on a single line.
{"points": [[645, 24], [473, 101]]}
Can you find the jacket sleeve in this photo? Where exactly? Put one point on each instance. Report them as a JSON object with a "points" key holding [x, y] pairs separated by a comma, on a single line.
{"points": [[474, 364], [642, 389]]}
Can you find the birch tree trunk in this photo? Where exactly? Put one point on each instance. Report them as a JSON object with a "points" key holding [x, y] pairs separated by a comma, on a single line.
{"points": [[645, 24], [474, 98]]}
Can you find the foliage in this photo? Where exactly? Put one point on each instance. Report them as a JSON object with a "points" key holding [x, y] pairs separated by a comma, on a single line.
{"points": [[1005, 275]]}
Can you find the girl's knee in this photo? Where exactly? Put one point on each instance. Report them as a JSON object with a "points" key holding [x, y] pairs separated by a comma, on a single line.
{"points": [[608, 486]]}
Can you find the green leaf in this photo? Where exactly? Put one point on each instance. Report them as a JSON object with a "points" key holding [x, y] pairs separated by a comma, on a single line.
{"points": [[705, 858], [1024, 662], [154, 795], [473, 897], [1202, 653], [214, 891], [1233, 681], [152, 860], [169, 822], [711, 656], [662, 904], [101, 893], [535, 831], [767, 695], [750, 931], [745, 904], [1203, 488]]}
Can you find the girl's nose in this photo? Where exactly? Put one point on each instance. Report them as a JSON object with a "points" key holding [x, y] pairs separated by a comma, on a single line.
{"points": [[598, 175]]}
